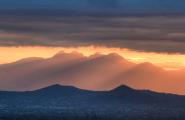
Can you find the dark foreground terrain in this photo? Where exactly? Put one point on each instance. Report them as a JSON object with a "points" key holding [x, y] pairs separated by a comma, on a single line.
{"points": [[68, 103]]}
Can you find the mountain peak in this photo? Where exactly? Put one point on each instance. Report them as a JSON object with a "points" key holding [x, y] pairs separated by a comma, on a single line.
{"points": [[57, 88], [96, 55], [123, 89], [149, 67], [114, 56], [64, 54]]}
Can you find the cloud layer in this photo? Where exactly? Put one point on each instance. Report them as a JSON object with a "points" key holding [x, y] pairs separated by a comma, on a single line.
{"points": [[146, 33]]}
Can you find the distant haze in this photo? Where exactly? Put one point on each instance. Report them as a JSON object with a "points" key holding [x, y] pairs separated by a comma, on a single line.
{"points": [[97, 72]]}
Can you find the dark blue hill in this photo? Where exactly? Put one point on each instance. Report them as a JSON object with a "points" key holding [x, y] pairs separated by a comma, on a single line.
{"points": [[59, 101]]}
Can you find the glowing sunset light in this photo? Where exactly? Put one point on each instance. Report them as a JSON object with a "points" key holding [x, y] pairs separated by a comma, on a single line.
{"points": [[167, 61]]}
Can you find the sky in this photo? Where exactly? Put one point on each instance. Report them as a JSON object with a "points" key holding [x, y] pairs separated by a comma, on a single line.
{"points": [[129, 6], [138, 30], [161, 36]]}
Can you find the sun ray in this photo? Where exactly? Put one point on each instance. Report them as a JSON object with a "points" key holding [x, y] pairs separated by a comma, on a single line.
{"points": [[168, 61]]}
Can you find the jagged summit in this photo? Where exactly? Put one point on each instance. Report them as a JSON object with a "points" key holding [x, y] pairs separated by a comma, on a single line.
{"points": [[112, 57], [64, 54], [96, 55]]}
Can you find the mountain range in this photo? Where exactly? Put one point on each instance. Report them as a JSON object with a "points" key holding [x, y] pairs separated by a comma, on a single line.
{"points": [[66, 102], [97, 72]]}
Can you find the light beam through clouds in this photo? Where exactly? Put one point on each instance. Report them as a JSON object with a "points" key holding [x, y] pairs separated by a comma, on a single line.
{"points": [[167, 61]]}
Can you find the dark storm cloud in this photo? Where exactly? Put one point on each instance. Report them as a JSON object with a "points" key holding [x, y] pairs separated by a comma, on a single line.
{"points": [[146, 33]]}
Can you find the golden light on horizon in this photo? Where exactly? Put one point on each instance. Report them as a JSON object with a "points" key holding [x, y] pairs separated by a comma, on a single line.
{"points": [[167, 61]]}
